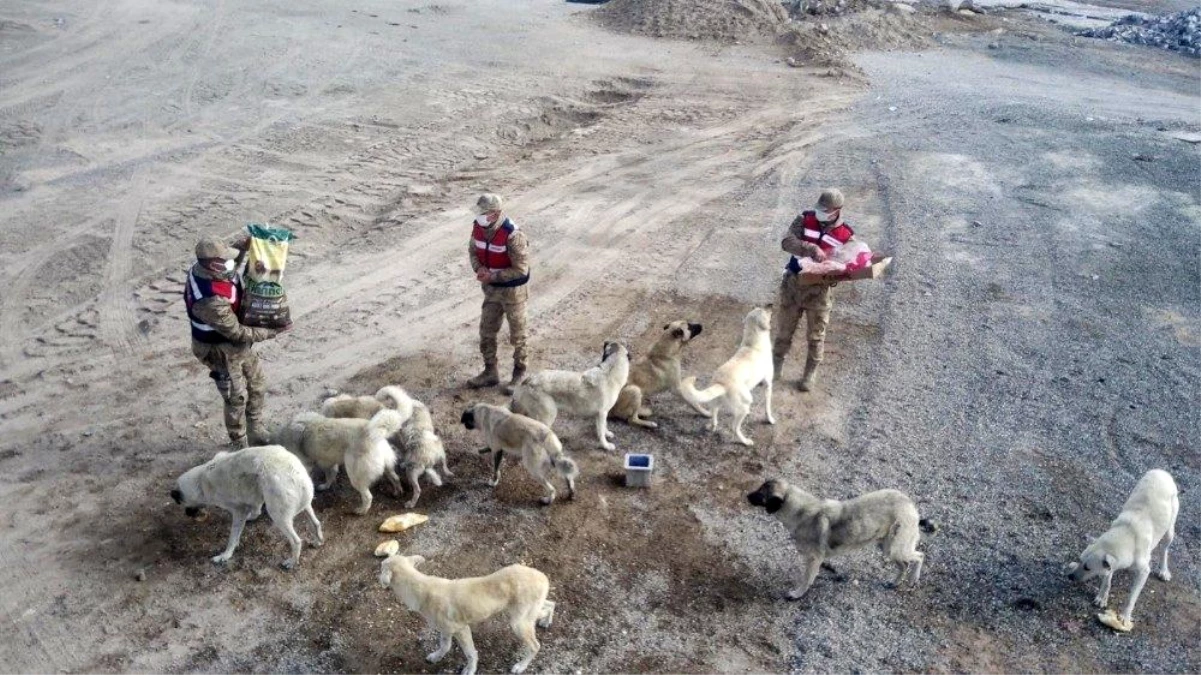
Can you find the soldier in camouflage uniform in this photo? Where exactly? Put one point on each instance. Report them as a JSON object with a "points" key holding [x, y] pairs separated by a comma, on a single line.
{"points": [[213, 294], [815, 234], [499, 256]]}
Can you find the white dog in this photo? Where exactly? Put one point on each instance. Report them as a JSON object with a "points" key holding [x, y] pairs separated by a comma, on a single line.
{"points": [[362, 445], [1147, 518], [242, 483], [363, 407], [453, 606], [421, 451], [734, 380], [593, 392]]}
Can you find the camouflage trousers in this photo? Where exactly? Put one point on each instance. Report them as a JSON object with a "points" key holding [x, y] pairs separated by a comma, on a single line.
{"points": [[511, 305], [240, 381], [796, 301]]}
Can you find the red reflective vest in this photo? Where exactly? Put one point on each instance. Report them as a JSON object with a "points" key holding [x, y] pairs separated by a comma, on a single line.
{"points": [[199, 288], [494, 253], [812, 233]]}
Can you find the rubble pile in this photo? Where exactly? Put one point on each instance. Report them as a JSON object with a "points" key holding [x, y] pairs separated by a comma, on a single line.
{"points": [[801, 9], [1179, 32]]}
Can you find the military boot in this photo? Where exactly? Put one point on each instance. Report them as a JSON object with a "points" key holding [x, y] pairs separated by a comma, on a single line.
{"points": [[809, 379], [257, 433], [518, 376], [489, 378], [238, 443]]}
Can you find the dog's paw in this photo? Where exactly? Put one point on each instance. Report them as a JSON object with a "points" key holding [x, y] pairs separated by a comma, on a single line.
{"points": [[608, 434], [411, 503], [546, 501], [221, 559], [1164, 574], [315, 543], [1101, 602], [771, 420], [434, 657], [323, 487], [747, 442], [360, 511], [518, 668], [493, 483], [609, 446], [288, 564], [795, 594]]}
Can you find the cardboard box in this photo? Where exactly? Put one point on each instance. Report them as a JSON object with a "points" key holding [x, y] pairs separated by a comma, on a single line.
{"points": [[876, 269]]}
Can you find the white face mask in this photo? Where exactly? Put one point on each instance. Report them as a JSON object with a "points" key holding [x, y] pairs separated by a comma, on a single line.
{"points": [[230, 265]]}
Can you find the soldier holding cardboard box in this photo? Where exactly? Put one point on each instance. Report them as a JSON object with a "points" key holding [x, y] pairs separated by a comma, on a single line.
{"points": [[817, 235]]}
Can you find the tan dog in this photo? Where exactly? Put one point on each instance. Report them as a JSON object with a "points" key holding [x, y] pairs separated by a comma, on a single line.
{"points": [[658, 371], [540, 451], [453, 606], [821, 528], [420, 451], [362, 445], [364, 407], [735, 380], [593, 392]]}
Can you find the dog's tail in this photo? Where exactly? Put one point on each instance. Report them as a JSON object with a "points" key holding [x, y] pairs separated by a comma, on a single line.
{"points": [[558, 459], [397, 399], [690, 394], [928, 526], [330, 405]]}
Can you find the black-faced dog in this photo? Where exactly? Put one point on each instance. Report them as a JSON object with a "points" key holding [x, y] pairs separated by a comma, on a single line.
{"points": [[822, 528]]}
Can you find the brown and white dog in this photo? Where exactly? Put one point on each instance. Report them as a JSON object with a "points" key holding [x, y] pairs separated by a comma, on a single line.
{"points": [[656, 372], [822, 528], [538, 447]]}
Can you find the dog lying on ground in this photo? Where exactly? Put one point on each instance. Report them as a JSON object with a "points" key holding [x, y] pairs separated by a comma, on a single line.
{"points": [[593, 392], [420, 451], [1148, 517], [242, 483], [735, 380], [658, 371], [540, 451], [363, 407], [453, 606], [823, 528], [361, 445]]}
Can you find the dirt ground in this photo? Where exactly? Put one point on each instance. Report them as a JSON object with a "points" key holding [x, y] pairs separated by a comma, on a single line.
{"points": [[1035, 348]]}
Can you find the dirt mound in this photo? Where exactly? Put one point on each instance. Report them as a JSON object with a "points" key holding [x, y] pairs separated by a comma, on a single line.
{"points": [[723, 20], [826, 41], [1179, 32]]}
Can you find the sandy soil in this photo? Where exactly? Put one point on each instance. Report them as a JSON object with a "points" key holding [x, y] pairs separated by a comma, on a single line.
{"points": [[1033, 352]]}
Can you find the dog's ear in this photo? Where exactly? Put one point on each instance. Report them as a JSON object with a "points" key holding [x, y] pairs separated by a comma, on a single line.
{"points": [[694, 329], [177, 496], [774, 503], [755, 498]]}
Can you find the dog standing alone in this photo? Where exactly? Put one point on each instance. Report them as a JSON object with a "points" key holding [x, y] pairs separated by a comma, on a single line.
{"points": [[245, 481], [822, 528], [452, 606], [592, 392], [658, 371], [735, 380], [1148, 517]]}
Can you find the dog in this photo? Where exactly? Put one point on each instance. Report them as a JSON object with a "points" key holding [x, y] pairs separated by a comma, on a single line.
{"points": [[242, 482], [658, 371], [1148, 517], [363, 407], [361, 445], [540, 451], [734, 380], [823, 528], [420, 451], [452, 606], [592, 392]]}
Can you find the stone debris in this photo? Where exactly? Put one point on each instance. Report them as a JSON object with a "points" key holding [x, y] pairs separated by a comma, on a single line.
{"points": [[1180, 32]]}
